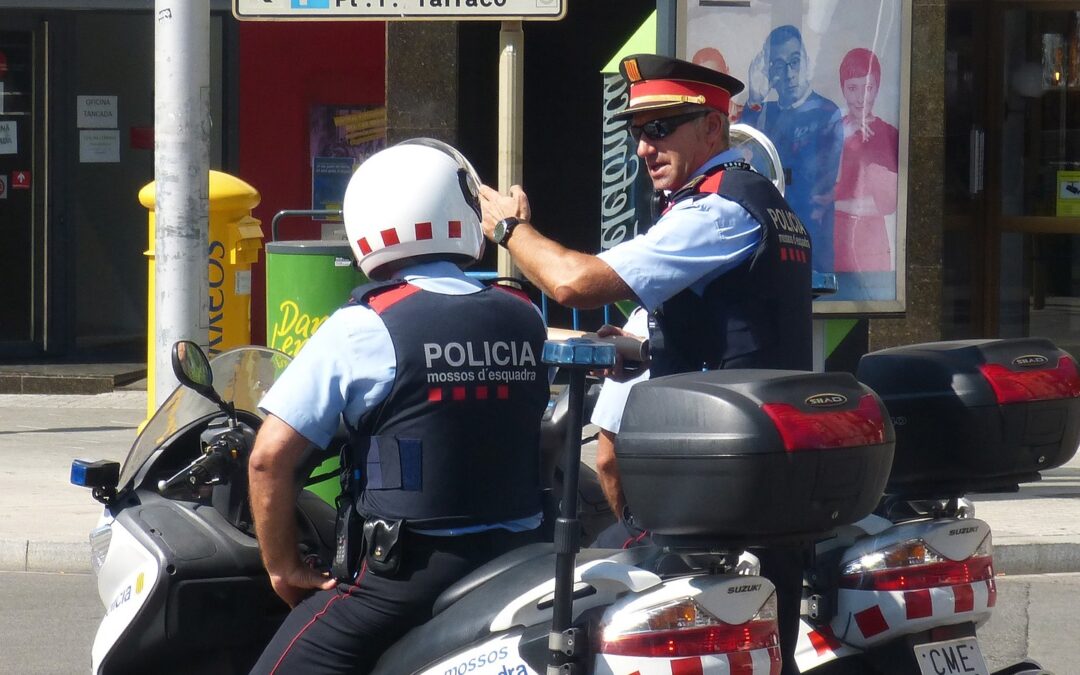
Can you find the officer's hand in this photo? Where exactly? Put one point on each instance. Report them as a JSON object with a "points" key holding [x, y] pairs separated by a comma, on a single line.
{"points": [[622, 370], [497, 206], [296, 583]]}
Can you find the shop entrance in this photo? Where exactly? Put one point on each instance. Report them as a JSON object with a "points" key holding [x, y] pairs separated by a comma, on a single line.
{"points": [[22, 255], [1013, 118]]}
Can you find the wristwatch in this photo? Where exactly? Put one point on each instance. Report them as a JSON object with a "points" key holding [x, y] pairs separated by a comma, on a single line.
{"points": [[503, 229]]}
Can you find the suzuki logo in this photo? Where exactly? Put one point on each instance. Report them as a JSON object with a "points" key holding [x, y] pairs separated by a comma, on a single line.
{"points": [[826, 400], [963, 530], [1030, 360], [744, 589]]}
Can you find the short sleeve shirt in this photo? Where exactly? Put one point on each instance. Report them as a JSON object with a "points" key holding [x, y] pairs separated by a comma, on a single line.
{"points": [[607, 413], [348, 365], [696, 241]]}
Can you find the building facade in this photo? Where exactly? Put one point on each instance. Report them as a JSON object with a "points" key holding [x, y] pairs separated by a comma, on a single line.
{"points": [[992, 146]]}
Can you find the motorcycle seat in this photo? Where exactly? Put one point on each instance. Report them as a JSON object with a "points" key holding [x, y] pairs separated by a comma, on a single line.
{"points": [[488, 571], [468, 619]]}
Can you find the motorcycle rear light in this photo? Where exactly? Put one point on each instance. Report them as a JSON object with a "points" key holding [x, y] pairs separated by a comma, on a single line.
{"points": [[1020, 386], [802, 430], [684, 628], [912, 565]]}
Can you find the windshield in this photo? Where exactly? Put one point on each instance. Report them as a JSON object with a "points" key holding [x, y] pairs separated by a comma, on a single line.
{"points": [[241, 376], [759, 152]]}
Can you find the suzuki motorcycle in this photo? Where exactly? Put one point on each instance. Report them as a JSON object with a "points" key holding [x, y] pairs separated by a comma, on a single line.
{"points": [[904, 589], [714, 463]]}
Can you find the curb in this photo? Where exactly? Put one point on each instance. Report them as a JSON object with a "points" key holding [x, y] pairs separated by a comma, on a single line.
{"points": [[44, 556], [1046, 558]]}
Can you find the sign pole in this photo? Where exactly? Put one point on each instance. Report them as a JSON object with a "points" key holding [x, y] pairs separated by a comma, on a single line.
{"points": [[511, 118], [181, 180]]}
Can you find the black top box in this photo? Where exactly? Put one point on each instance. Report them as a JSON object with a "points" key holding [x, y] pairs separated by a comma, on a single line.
{"points": [[975, 415], [752, 455]]}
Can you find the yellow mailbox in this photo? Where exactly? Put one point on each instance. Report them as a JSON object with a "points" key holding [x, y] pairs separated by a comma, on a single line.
{"points": [[234, 243]]}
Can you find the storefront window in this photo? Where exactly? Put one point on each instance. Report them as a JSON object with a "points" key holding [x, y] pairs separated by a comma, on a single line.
{"points": [[1039, 204]]}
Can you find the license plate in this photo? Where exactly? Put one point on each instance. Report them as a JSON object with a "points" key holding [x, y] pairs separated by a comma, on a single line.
{"points": [[951, 657]]}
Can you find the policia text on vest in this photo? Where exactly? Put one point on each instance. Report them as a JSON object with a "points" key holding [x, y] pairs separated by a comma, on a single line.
{"points": [[487, 356]]}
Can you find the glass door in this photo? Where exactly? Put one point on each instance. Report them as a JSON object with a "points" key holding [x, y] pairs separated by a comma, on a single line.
{"points": [[964, 302], [1036, 211], [21, 175]]}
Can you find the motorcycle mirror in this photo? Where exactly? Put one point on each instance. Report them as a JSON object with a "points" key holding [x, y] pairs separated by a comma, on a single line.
{"points": [[192, 368]]}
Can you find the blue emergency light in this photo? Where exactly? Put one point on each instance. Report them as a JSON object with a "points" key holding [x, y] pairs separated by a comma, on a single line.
{"points": [[100, 474], [579, 352]]}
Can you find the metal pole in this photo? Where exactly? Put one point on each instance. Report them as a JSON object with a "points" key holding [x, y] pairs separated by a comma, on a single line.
{"points": [[667, 12], [181, 176], [565, 644], [511, 118]]}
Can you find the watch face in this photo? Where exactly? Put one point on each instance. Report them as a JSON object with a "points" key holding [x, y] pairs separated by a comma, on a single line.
{"points": [[500, 231]]}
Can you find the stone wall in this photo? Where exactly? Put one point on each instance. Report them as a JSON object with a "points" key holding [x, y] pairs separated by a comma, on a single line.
{"points": [[926, 184], [421, 80]]}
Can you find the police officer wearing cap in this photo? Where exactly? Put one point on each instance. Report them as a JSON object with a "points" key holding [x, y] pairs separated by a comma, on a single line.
{"points": [[724, 273], [439, 382]]}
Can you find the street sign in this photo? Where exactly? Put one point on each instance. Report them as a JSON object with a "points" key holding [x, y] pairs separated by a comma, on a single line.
{"points": [[398, 10]]}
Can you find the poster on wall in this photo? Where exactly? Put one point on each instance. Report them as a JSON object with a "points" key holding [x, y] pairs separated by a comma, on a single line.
{"points": [[826, 81], [341, 138]]}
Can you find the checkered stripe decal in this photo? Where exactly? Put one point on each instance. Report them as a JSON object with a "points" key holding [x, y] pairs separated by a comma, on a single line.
{"points": [[881, 615], [872, 617], [418, 232], [756, 662]]}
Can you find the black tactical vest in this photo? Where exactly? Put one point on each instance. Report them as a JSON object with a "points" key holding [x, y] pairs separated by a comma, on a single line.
{"points": [[456, 441], [754, 316]]}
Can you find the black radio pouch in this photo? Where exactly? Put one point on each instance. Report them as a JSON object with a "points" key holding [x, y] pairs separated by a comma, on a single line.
{"points": [[349, 540], [384, 544]]}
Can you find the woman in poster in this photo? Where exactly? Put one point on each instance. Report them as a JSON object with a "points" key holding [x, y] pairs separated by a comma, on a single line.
{"points": [[866, 186]]}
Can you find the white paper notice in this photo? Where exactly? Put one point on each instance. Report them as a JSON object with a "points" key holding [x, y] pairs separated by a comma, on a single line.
{"points": [[95, 112], [96, 147], [9, 137]]}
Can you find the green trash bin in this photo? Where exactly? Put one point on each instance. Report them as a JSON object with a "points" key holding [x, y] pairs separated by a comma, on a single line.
{"points": [[305, 282]]}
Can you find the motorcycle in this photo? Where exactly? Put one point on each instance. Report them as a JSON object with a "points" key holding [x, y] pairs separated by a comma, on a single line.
{"points": [[904, 589], [713, 462]]}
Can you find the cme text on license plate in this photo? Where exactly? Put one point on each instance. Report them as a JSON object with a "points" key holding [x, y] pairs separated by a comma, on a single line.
{"points": [[951, 657]]}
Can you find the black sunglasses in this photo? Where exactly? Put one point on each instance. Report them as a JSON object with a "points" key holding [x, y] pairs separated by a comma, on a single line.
{"points": [[656, 130]]}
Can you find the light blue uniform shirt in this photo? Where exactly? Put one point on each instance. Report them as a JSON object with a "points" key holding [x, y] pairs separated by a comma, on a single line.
{"points": [[348, 367], [689, 246]]}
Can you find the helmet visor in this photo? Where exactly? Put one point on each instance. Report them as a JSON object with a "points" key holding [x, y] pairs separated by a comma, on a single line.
{"points": [[467, 176]]}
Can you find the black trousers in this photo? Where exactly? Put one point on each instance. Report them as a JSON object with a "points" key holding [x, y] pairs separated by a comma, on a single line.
{"points": [[345, 630], [782, 565]]}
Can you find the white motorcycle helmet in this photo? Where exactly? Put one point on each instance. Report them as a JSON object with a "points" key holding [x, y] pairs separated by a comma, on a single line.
{"points": [[416, 200]]}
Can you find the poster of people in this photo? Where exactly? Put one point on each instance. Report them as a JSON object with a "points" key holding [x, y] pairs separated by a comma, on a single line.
{"points": [[825, 81]]}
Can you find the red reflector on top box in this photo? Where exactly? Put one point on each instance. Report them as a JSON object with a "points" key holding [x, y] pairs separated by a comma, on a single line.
{"points": [[695, 450], [978, 415]]}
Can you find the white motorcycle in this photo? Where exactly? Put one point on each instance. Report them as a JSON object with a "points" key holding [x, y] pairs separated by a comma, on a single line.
{"points": [[712, 462], [904, 589]]}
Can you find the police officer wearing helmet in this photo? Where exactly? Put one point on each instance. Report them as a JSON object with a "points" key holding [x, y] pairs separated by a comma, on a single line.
{"points": [[439, 380], [724, 273]]}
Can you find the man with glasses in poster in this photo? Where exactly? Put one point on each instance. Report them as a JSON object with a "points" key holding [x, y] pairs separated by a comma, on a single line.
{"points": [[807, 130], [724, 273]]}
